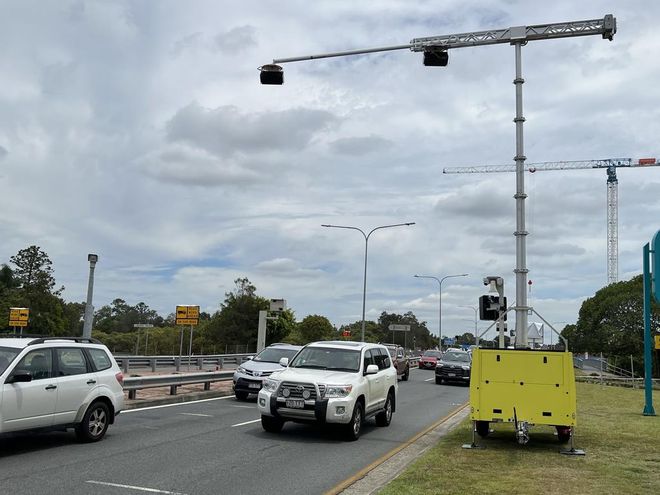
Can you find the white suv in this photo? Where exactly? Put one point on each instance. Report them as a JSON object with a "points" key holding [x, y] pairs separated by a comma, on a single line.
{"points": [[331, 382], [59, 383]]}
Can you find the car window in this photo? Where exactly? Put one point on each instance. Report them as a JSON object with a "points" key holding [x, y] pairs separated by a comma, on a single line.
{"points": [[368, 359], [100, 359], [7, 355], [381, 357], [70, 361], [460, 357], [432, 354], [38, 363], [327, 358], [274, 354]]}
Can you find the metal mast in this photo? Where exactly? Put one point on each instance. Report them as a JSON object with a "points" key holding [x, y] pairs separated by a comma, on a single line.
{"points": [[610, 165], [435, 54]]}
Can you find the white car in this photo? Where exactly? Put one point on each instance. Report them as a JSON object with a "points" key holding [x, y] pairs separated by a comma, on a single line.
{"points": [[249, 376], [59, 383], [332, 383]]}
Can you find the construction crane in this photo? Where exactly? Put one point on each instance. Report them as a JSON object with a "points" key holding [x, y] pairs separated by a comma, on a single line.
{"points": [[610, 165]]}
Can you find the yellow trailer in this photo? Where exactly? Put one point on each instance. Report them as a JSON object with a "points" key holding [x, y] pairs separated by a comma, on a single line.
{"points": [[525, 387]]}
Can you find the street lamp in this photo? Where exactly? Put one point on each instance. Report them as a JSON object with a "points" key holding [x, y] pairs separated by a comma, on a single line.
{"points": [[366, 246], [476, 332], [440, 280]]}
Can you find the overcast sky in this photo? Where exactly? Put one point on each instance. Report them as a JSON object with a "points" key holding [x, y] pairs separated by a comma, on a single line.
{"points": [[138, 130]]}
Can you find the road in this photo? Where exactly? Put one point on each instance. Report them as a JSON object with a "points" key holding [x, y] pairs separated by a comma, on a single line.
{"points": [[213, 447]]}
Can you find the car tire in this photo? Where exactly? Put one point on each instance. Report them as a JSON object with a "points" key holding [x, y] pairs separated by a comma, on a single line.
{"points": [[563, 433], [95, 423], [241, 395], [354, 428], [438, 380], [385, 418], [271, 424], [483, 428], [406, 374]]}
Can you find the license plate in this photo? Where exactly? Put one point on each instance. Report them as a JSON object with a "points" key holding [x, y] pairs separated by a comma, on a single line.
{"points": [[254, 385], [451, 374], [295, 403]]}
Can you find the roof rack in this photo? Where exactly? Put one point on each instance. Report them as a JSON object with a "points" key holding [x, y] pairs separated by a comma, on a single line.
{"points": [[82, 340]]}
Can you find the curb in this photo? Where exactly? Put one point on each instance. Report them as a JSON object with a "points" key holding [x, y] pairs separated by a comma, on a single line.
{"points": [[380, 472]]}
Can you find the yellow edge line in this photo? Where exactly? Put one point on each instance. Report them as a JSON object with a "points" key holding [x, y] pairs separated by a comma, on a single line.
{"points": [[363, 472]]}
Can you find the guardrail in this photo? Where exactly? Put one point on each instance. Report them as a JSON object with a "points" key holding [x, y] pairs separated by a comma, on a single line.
{"points": [[218, 361], [133, 384], [617, 380]]}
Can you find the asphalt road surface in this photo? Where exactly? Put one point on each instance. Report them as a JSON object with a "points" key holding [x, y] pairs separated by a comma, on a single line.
{"points": [[215, 446]]}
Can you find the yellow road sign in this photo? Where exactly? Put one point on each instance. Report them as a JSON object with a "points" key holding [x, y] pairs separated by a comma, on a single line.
{"points": [[18, 317], [187, 315], [657, 341]]}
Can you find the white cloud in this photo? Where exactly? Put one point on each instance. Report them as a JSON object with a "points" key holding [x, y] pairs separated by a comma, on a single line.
{"points": [[140, 131]]}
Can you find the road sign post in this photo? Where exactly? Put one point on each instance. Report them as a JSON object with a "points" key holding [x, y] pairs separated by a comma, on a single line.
{"points": [[187, 315], [19, 317], [648, 278], [400, 328]]}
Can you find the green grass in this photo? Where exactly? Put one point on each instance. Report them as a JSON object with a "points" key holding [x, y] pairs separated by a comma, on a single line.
{"points": [[622, 446]]}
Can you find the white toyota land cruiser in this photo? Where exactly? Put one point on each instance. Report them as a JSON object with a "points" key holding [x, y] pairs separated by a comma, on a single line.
{"points": [[331, 382]]}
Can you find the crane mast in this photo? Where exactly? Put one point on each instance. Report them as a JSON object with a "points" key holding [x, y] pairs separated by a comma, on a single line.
{"points": [[609, 164]]}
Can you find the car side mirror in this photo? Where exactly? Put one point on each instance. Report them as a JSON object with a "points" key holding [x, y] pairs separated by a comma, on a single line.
{"points": [[20, 377], [372, 369], [284, 361]]}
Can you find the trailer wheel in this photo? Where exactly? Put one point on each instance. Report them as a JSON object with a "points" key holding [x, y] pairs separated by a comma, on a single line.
{"points": [[483, 428], [563, 433]]}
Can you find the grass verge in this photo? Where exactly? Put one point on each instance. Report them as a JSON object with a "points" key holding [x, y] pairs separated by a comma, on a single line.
{"points": [[622, 445]]}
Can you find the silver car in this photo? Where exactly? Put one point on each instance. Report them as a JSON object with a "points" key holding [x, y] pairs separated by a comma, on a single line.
{"points": [[249, 376]]}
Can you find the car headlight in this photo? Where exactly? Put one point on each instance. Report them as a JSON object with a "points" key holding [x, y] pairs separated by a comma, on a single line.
{"points": [[465, 367], [240, 369], [270, 385], [337, 391]]}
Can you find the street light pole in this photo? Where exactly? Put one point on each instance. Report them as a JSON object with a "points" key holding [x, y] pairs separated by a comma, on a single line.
{"points": [[440, 280], [366, 248], [89, 309]]}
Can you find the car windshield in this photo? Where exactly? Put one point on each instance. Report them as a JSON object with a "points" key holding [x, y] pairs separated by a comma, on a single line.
{"points": [[434, 354], [7, 355], [274, 354], [460, 357], [392, 351], [327, 358]]}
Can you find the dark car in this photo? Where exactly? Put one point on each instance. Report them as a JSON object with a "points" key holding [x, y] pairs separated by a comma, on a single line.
{"points": [[399, 360], [429, 359], [454, 366]]}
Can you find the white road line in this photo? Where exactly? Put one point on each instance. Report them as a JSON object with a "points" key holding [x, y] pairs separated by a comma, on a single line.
{"points": [[245, 407], [139, 488], [177, 404], [246, 423], [196, 414], [429, 379]]}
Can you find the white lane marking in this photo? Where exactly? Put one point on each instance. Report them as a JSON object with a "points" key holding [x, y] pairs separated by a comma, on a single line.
{"points": [[174, 405], [196, 414], [245, 407], [130, 487], [246, 423], [429, 379]]}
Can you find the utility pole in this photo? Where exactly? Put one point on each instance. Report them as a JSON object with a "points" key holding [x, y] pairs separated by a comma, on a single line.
{"points": [[89, 309]]}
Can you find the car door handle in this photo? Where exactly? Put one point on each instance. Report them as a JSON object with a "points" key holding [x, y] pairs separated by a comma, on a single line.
{"points": [[91, 382], [51, 387]]}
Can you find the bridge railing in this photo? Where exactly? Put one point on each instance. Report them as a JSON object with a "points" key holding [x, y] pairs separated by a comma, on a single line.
{"points": [[201, 362]]}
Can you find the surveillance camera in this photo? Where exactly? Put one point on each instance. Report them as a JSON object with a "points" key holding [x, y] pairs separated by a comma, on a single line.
{"points": [[486, 281]]}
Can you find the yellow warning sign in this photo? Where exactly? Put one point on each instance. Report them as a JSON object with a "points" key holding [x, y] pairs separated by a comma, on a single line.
{"points": [[657, 341], [187, 315], [18, 317]]}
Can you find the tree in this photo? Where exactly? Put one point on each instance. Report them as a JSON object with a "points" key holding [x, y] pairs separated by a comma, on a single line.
{"points": [[313, 328], [612, 322], [34, 272]]}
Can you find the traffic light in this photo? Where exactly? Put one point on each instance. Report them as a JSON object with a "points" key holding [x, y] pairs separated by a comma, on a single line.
{"points": [[436, 58], [489, 307], [271, 74]]}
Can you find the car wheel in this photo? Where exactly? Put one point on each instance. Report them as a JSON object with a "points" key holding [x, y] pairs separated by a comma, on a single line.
{"points": [[385, 418], [483, 428], [438, 380], [241, 395], [271, 424], [95, 423], [563, 433], [406, 374], [354, 428]]}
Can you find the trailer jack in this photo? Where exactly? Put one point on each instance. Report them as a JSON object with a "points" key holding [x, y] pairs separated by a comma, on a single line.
{"points": [[572, 450]]}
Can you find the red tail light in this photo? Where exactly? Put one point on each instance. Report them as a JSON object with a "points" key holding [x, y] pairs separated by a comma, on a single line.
{"points": [[120, 378]]}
